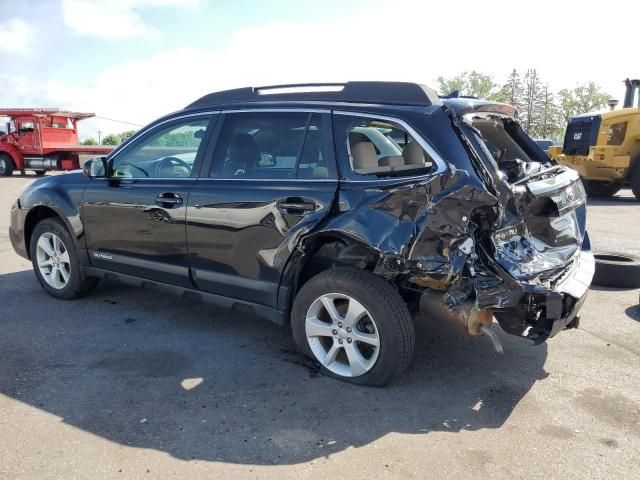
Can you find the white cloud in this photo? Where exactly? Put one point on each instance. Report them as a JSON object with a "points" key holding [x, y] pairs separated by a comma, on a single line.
{"points": [[114, 19], [417, 47], [15, 36]]}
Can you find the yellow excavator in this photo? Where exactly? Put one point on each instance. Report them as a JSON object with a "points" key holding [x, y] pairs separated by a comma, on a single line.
{"points": [[605, 147]]}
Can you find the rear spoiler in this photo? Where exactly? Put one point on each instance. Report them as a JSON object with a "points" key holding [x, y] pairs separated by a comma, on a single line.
{"points": [[463, 106]]}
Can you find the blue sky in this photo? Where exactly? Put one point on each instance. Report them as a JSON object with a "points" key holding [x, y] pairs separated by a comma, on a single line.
{"points": [[138, 59]]}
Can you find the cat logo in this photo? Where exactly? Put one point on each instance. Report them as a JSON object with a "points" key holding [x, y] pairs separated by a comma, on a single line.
{"points": [[577, 136]]}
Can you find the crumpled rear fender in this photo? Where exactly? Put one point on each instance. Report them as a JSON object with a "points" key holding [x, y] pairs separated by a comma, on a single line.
{"points": [[415, 227]]}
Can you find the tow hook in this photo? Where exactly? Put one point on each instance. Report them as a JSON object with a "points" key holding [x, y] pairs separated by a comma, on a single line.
{"points": [[495, 340]]}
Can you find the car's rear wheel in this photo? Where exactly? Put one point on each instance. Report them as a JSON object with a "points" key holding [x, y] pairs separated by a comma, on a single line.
{"points": [[55, 261], [6, 165], [597, 189], [355, 324]]}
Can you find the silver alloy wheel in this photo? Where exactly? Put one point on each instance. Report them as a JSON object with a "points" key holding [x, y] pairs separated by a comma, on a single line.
{"points": [[53, 261], [342, 335]]}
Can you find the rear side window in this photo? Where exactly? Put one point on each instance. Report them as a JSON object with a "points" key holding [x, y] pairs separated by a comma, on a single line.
{"points": [[271, 145], [380, 147]]}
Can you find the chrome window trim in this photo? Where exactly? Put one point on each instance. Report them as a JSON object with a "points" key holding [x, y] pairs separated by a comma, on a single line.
{"points": [[440, 163], [275, 110], [218, 112], [335, 180]]}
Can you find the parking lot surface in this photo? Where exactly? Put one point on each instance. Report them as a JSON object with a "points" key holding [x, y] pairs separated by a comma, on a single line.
{"points": [[128, 383]]}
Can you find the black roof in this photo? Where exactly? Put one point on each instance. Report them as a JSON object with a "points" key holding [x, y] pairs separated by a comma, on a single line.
{"points": [[388, 93]]}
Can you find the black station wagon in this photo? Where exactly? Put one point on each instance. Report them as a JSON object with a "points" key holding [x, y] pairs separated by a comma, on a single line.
{"points": [[337, 209]]}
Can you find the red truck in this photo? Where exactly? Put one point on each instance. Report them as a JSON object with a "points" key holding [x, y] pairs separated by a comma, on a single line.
{"points": [[42, 139]]}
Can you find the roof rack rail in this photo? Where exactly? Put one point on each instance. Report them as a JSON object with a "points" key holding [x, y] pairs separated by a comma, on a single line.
{"points": [[392, 93]]}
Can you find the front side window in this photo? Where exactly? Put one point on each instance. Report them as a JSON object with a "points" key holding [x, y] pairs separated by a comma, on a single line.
{"points": [[26, 127], [169, 152], [380, 147], [271, 145]]}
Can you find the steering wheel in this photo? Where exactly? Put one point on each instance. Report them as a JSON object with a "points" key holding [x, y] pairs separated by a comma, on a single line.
{"points": [[131, 165], [168, 162]]}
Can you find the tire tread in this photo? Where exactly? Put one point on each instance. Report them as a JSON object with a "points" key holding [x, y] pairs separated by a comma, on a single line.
{"points": [[390, 301]]}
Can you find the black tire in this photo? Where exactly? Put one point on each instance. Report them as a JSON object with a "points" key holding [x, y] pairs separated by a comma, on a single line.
{"points": [[77, 284], [6, 165], [618, 270], [596, 189], [386, 307], [635, 177], [40, 173]]}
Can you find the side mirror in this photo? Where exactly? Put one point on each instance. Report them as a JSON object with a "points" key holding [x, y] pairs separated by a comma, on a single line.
{"points": [[267, 160], [95, 167]]}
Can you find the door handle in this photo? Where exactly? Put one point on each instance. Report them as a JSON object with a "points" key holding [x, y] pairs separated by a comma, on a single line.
{"points": [[297, 206], [169, 200]]}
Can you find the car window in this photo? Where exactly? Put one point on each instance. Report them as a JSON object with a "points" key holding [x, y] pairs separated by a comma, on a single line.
{"points": [[271, 145], [380, 147], [169, 152], [25, 127]]}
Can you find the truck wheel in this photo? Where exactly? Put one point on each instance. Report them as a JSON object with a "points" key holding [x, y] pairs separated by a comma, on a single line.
{"points": [[6, 165], [355, 324], [596, 189], [40, 173], [55, 261], [618, 270], [635, 178]]}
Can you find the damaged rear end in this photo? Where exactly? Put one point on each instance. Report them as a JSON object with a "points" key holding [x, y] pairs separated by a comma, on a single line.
{"points": [[507, 239]]}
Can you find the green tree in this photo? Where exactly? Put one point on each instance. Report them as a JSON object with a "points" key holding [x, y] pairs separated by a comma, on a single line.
{"points": [[584, 98], [512, 91], [126, 135], [532, 96], [550, 123], [472, 84], [89, 141], [111, 139]]}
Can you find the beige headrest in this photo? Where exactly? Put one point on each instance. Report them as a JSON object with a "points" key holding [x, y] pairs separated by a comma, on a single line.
{"points": [[392, 161], [413, 154], [364, 155]]}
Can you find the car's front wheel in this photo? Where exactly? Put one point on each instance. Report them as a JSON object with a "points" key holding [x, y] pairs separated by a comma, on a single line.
{"points": [[355, 324], [55, 261]]}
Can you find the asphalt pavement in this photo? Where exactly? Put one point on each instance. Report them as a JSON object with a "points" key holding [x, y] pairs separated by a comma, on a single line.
{"points": [[128, 383]]}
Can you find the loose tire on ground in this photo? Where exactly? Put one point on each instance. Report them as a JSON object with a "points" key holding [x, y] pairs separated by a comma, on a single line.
{"points": [[76, 284], [618, 270], [6, 165], [383, 304], [596, 189]]}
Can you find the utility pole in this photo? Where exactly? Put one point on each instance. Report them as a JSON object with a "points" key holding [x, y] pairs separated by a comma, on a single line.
{"points": [[99, 133]]}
